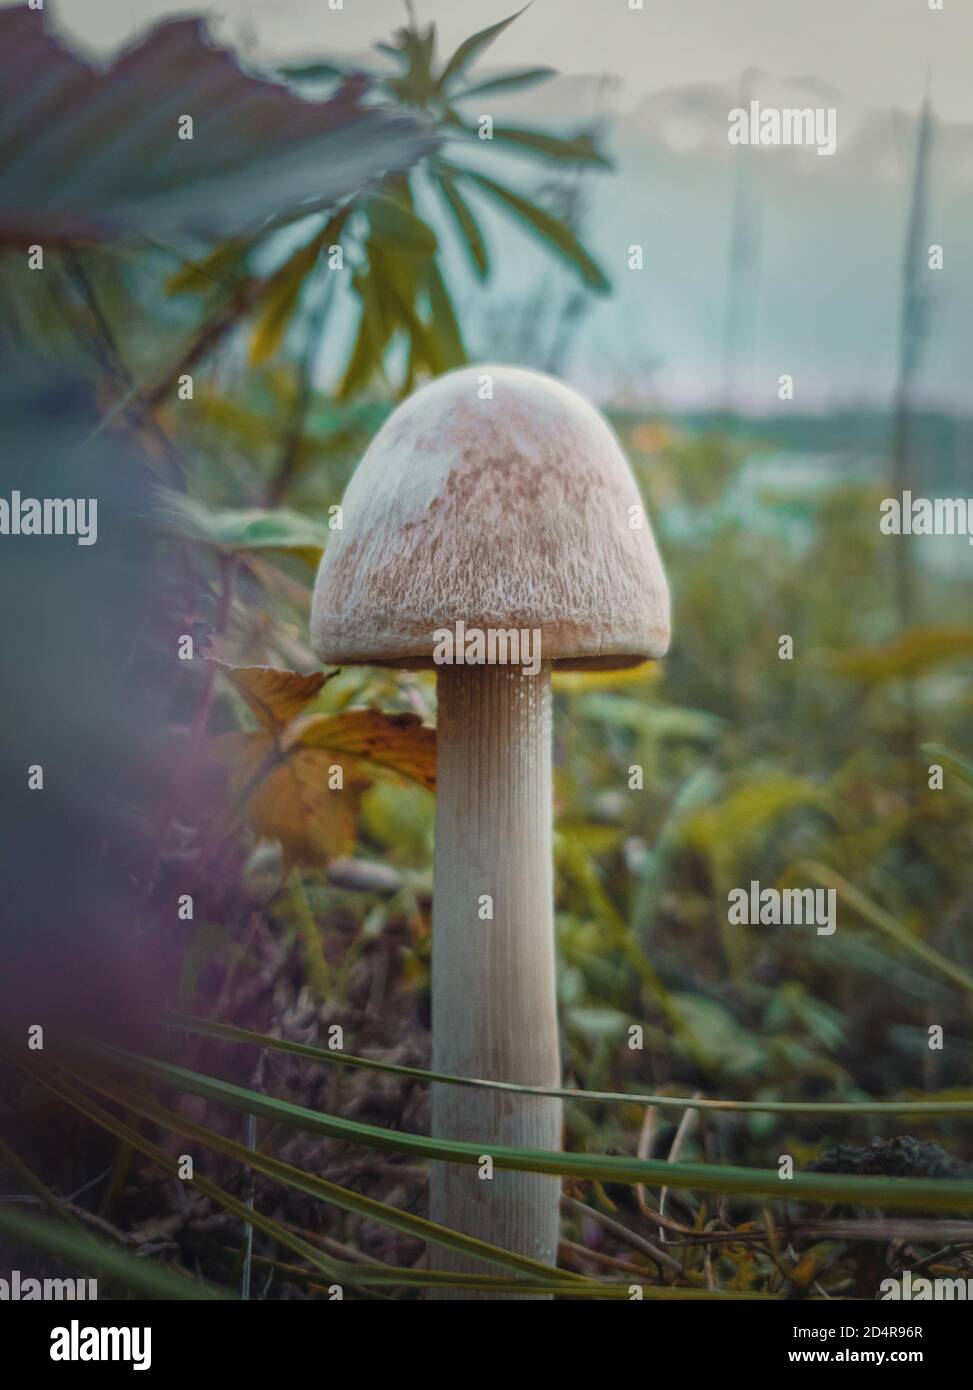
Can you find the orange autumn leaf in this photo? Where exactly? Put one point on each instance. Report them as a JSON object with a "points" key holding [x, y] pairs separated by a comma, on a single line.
{"points": [[398, 741], [276, 697], [300, 778], [290, 797]]}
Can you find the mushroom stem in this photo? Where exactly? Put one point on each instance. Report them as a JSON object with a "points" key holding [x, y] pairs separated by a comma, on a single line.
{"points": [[494, 1013]]}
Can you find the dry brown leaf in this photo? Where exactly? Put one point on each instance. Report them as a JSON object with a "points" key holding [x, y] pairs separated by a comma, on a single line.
{"points": [[276, 697], [398, 741], [282, 772]]}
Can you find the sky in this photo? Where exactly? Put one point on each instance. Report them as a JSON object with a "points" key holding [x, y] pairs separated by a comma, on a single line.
{"points": [[874, 52], [826, 234]]}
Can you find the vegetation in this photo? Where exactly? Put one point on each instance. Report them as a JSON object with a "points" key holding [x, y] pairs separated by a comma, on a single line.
{"points": [[293, 1063]]}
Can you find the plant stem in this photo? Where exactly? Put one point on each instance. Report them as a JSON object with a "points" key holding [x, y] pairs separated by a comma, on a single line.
{"points": [[318, 970]]}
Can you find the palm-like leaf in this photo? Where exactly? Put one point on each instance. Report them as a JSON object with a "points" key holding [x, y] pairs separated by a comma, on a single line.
{"points": [[471, 48]]}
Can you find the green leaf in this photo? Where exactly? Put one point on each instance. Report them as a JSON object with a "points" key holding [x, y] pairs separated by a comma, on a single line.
{"points": [[427, 47], [397, 228], [934, 1195], [728, 830], [962, 767], [315, 72], [222, 267], [596, 1024], [580, 150], [559, 237], [509, 82], [444, 324], [397, 290], [661, 721], [698, 789], [239, 530], [375, 328], [469, 230], [84, 1252], [401, 821], [884, 921], [145, 394], [390, 51], [471, 48], [708, 1033], [279, 301], [909, 654]]}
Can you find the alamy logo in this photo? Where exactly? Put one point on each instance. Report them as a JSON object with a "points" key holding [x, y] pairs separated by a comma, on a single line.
{"points": [[50, 516], [775, 907], [922, 1290], [77, 1343], [492, 646], [925, 516], [788, 125], [17, 1289]]}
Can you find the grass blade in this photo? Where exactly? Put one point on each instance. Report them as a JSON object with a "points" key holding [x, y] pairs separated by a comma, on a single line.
{"points": [[906, 1193], [82, 1251], [309, 1183], [103, 1118], [886, 923], [229, 1032]]}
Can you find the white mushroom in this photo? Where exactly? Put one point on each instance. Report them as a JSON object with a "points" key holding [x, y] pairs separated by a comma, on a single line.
{"points": [[499, 499]]}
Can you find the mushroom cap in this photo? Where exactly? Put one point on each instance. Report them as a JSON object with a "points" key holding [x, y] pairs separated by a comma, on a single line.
{"points": [[507, 512]]}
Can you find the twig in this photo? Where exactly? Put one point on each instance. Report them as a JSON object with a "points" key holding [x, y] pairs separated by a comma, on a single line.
{"points": [[622, 1233], [688, 1119], [579, 1253], [644, 1150], [77, 1215]]}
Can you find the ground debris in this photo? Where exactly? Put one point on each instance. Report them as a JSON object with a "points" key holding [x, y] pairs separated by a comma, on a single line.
{"points": [[901, 1157]]}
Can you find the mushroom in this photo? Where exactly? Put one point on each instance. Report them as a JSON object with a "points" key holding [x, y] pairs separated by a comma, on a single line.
{"points": [[494, 500]]}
